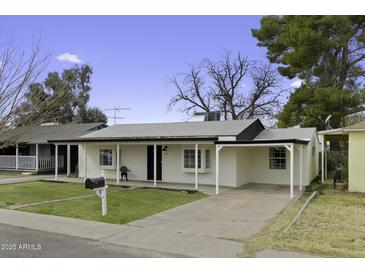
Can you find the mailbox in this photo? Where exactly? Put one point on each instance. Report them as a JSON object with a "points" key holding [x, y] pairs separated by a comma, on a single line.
{"points": [[92, 183]]}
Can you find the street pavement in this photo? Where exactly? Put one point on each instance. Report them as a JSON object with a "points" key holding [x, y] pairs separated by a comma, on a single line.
{"points": [[20, 242]]}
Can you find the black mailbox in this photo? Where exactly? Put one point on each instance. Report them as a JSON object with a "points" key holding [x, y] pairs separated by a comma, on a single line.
{"points": [[92, 183]]}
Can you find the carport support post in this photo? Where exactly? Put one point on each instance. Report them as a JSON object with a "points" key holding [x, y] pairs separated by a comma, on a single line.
{"points": [[196, 166], [322, 158], [154, 165], [68, 160], [217, 149], [36, 158], [301, 167], [118, 163], [16, 156], [56, 163], [291, 171], [85, 161], [291, 174]]}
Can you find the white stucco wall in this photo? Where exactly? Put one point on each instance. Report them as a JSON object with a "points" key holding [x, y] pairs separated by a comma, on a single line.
{"points": [[135, 158], [238, 165], [253, 165]]}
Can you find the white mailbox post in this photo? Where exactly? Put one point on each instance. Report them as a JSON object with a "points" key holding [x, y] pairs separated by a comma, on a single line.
{"points": [[99, 186]]}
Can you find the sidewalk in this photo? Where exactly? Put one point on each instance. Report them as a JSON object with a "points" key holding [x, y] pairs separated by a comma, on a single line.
{"points": [[22, 179], [157, 239]]}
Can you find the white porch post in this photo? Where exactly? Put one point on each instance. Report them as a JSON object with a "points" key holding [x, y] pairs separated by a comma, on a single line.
{"points": [[154, 165], [322, 158], [325, 161], [56, 163], [301, 168], [118, 163], [196, 166], [16, 157], [36, 158], [217, 149], [291, 171], [68, 160], [85, 161], [291, 174]]}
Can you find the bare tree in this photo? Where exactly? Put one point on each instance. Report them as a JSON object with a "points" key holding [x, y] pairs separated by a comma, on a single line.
{"points": [[190, 91], [235, 87], [17, 71]]}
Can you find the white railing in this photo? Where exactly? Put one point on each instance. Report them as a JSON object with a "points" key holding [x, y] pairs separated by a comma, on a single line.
{"points": [[29, 162], [26, 162], [7, 161], [48, 162]]}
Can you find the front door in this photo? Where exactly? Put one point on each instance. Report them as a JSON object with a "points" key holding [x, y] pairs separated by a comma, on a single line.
{"points": [[150, 171]]}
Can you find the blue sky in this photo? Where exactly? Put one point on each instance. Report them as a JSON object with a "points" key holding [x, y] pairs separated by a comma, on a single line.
{"points": [[133, 56]]}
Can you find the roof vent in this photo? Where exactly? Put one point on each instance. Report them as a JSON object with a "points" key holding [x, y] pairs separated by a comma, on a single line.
{"points": [[205, 116]]}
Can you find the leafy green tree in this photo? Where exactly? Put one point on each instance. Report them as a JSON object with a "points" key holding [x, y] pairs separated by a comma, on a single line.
{"points": [[326, 50], [69, 92], [310, 106]]}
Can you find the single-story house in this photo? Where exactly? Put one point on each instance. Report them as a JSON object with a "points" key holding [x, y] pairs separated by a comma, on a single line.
{"points": [[220, 153], [355, 136], [33, 152]]}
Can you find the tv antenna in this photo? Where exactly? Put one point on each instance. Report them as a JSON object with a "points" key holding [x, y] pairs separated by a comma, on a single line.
{"points": [[115, 110]]}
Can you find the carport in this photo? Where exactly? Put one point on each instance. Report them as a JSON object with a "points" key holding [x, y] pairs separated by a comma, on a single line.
{"points": [[293, 146]]}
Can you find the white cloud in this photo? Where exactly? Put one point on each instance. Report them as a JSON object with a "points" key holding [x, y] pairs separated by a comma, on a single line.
{"points": [[68, 57], [296, 83]]}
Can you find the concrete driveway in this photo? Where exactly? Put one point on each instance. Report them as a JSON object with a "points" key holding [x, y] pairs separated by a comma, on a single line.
{"points": [[208, 227], [234, 214]]}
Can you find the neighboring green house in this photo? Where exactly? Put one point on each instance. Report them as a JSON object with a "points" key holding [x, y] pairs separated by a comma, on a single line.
{"points": [[355, 135]]}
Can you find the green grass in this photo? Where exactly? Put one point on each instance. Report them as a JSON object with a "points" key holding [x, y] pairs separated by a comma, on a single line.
{"points": [[124, 206], [5, 175], [23, 193], [333, 225]]}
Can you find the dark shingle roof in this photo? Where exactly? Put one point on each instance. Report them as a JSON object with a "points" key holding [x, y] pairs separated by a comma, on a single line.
{"points": [[41, 134]]}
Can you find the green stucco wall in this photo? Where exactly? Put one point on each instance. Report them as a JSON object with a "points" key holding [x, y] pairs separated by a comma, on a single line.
{"points": [[357, 161]]}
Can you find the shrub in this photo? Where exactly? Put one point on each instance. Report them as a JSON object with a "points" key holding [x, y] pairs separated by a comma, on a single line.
{"points": [[315, 185]]}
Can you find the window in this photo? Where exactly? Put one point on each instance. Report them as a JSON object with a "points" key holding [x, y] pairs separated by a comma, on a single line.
{"points": [[106, 157], [207, 158], [313, 151], [277, 158], [189, 158]]}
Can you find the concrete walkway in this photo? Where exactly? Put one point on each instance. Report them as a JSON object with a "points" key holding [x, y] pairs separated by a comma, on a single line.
{"points": [[23, 179], [156, 240], [205, 228]]}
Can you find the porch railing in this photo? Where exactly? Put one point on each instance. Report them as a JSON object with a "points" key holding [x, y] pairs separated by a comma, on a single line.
{"points": [[48, 162], [29, 162]]}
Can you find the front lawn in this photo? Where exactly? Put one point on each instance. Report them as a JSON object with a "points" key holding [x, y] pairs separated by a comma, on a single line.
{"points": [[333, 225], [5, 175], [24, 193], [124, 206]]}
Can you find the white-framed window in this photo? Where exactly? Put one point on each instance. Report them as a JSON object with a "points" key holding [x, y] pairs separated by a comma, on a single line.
{"points": [[313, 151], [189, 158], [207, 158], [277, 158], [106, 158]]}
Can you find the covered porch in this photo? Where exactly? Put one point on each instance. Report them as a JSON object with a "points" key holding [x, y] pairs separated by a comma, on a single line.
{"points": [[189, 165], [328, 138], [30, 157]]}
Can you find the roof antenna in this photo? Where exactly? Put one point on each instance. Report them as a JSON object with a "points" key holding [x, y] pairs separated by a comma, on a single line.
{"points": [[116, 109]]}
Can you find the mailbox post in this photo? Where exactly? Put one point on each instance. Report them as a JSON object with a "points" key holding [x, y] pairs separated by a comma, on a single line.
{"points": [[100, 187]]}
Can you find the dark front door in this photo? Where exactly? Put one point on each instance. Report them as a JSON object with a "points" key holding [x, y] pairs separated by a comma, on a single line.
{"points": [[150, 163]]}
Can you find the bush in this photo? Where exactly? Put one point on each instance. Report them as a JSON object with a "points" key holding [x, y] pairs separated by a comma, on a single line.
{"points": [[315, 185], [337, 159]]}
